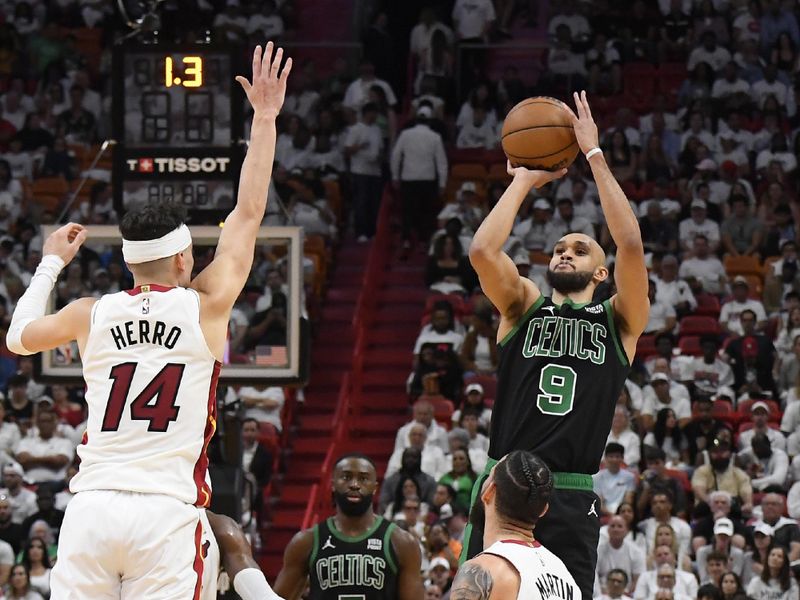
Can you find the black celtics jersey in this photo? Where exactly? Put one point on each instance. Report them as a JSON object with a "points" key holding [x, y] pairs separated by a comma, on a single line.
{"points": [[353, 568], [560, 372]]}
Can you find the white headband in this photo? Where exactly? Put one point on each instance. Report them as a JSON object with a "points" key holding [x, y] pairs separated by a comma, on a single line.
{"points": [[136, 251]]}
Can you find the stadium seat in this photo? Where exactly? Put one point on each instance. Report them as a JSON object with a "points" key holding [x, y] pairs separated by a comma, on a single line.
{"points": [[682, 478], [443, 409], [488, 382], [707, 306], [48, 192], [646, 346], [469, 172], [689, 345], [742, 265], [693, 325], [724, 411], [498, 172]]}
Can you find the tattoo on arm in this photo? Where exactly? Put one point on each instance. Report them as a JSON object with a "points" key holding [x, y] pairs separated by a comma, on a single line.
{"points": [[472, 582]]}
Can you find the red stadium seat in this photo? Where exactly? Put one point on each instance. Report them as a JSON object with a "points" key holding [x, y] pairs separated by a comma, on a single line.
{"points": [[646, 346], [693, 325], [443, 409], [774, 409], [682, 478], [488, 382], [707, 306], [690, 345]]}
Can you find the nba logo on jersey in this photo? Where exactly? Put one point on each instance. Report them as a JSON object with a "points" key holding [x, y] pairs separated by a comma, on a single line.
{"points": [[145, 306], [374, 544]]}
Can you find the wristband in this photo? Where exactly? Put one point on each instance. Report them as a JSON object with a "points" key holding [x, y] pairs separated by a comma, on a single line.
{"points": [[592, 152]]}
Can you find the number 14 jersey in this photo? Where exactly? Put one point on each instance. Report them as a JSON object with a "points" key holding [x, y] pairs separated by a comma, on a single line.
{"points": [[151, 391], [560, 372]]}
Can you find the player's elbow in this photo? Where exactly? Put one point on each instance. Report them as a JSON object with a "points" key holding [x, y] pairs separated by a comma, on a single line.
{"points": [[631, 243]]}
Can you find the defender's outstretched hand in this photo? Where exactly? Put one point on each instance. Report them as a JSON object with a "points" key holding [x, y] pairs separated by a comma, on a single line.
{"points": [[268, 89], [65, 241], [534, 178], [583, 123]]}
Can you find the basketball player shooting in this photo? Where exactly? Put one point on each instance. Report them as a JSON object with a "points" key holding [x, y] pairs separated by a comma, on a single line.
{"points": [[514, 565], [136, 527], [562, 360]]}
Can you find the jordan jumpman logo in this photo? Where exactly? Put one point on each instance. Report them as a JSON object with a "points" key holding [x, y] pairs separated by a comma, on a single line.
{"points": [[592, 510]]}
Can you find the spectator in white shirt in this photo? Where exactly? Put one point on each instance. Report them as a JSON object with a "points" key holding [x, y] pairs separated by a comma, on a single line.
{"points": [[768, 467], [617, 552], [613, 484], [698, 224], [732, 310], [661, 508], [22, 500], [302, 101], [470, 421], [704, 267], [778, 151], [709, 52], [709, 371], [264, 404], [231, 24], [671, 290], [662, 316], [441, 330], [730, 84], [434, 462], [616, 584], [665, 393], [772, 86], [723, 533], [585, 206], [357, 93], [579, 27], [697, 130], [477, 133], [268, 23], [421, 33], [363, 144], [759, 414], [473, 19], [44, 456], [419, 170], [622, 434], [423, 415]]}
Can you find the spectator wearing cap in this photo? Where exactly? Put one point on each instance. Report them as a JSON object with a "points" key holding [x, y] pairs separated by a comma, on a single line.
{"points": [[565, 221], [759, 416], [723, 534], [729, 316], [752, 357], [698, 224], [741, 232], [534, 231], [614, 484], [662, 317], [474, 399], [704, 267], [786, 532], [363, 145], [617, 552], [721, 473], [665, 393], [768, 467], [22, 500], [670, 289], [720, 504], [756, 559], [419, 171], [436, 435], [439, 574], [466, 209]]}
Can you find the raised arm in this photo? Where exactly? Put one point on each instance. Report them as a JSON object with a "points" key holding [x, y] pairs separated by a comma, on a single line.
{"points": [[31, 330], [500, 280], [224, 278], [630, 275]]}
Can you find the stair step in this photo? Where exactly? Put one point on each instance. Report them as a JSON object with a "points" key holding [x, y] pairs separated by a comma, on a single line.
{"points": [[289, 517], [400, 359], [310, 448]]}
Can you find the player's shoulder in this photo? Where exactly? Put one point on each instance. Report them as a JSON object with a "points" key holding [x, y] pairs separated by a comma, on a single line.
{"points": [[486, 576], [404, 544], [301, 545]]}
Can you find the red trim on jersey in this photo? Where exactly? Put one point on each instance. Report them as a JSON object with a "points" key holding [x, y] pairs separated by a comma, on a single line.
{"points": [[201, 466], [198, 560], [533, 544], [151, 287]]}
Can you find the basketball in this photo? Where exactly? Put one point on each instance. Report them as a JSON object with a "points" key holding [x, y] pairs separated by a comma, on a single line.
{"points": [[538, 134]]}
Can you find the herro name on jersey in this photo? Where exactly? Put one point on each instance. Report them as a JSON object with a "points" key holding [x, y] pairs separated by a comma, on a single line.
{"points": [[145, 332]]}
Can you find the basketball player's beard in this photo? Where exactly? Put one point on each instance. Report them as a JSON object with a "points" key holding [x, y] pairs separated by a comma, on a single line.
{"points": [[569, 282], [352, 509]]}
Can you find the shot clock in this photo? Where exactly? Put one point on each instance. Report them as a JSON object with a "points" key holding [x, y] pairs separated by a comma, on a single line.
{"points": [[178, 122]]}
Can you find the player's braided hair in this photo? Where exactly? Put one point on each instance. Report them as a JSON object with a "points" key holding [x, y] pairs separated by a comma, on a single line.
{"points": [[152, 221], [524, 484]]}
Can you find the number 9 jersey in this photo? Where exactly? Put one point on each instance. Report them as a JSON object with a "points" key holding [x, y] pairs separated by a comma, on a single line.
{"points": [[151, 391], [560, 372]]}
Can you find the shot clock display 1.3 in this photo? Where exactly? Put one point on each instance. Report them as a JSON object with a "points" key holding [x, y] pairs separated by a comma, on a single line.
{"points": [[177, 98]]}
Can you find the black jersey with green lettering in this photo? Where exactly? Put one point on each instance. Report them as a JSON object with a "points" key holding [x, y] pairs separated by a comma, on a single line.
{"points": [[560, 372], [353, 568]]}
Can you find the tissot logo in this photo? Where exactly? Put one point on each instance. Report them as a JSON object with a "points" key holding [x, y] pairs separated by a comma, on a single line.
{"points": [[179, 165]]}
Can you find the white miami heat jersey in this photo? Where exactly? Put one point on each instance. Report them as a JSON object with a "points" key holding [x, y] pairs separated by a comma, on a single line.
{"points": [[542, 574], [151, 390]]}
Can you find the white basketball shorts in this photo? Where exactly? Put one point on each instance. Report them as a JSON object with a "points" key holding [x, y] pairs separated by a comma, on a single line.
{"points": [[126, 545]]}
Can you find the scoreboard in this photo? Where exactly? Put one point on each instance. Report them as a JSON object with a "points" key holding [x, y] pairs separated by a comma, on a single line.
{"points": [[177, 116]]}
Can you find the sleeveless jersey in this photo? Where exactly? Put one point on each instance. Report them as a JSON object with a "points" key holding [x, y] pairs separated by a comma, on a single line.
{"points": [[560, 372], [363, 567], [542, 575], [151, 391]]}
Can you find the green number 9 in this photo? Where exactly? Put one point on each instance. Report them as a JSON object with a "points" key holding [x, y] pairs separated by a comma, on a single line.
{"points": [[557, 390]]}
